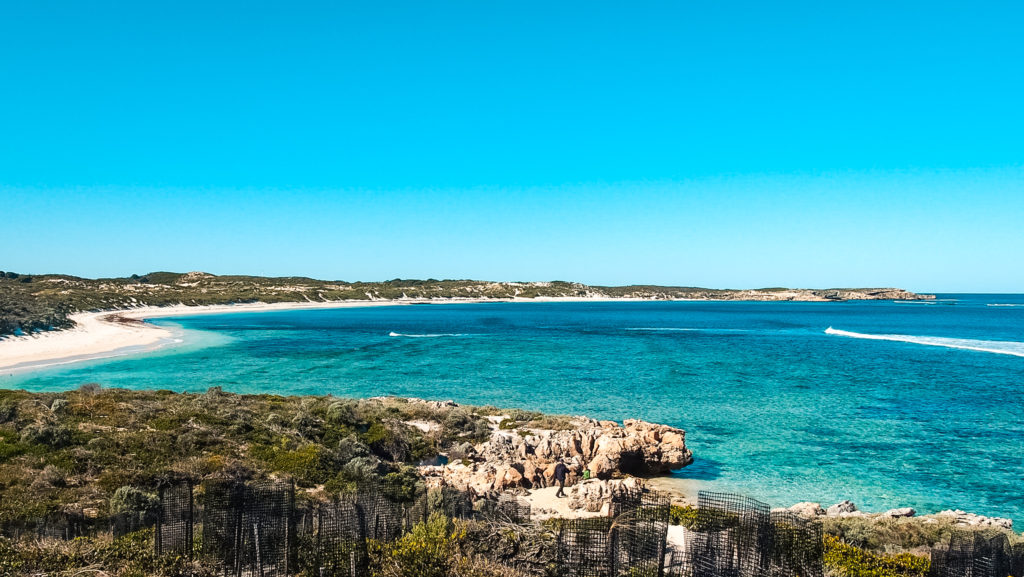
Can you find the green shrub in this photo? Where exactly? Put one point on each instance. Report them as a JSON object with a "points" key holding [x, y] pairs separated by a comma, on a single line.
{"points": [[128, 556], [55, 436], [462, 425], [133, 500], [684, 515], [10, 450], [402, 485], [309, 465], [848, 561], [8, 410], [429, 550], [888, 535]]}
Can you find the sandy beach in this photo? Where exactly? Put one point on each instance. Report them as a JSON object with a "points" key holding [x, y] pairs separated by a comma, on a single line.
{"points": [[105, 334], [123, 332]]}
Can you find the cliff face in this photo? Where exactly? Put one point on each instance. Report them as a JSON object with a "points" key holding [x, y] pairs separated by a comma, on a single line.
{"points": [[528, 458]]}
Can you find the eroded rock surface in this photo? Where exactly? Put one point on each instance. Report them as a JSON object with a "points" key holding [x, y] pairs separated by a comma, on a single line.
{"points": [[527, 459], [848, 509]]}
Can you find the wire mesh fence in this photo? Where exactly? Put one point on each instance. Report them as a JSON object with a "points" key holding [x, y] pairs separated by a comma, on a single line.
{"points": [[1017, 560], [586, 547], [975, 554], [122, 524], [797, 547], [174, 522], [734, 536], [257, 529], [453, 503], [339, 542], [65, 525], [504, 509], [248, 529]]}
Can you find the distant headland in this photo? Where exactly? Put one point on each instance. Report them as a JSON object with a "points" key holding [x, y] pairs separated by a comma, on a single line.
{"points": [[33, 303]]}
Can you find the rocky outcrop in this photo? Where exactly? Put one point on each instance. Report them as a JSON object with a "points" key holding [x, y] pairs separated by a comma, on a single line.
{"points": [[594, 495], [900, 512], [841, 508], [807, 510], [962, 518], [527, 459], [848, 509]]}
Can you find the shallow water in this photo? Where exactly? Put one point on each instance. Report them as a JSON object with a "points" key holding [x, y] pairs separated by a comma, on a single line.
{"points": [[774, 406]]}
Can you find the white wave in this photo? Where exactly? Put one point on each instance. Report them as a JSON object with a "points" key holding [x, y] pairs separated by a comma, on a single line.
{"points": [[428, 336], [659, 329], [1004, 305], [999, 347], [681, 329]]}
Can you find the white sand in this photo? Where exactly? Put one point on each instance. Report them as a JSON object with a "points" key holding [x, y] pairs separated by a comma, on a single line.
{"points": [[101, 335], [681, 491], [545, 505], [117, 333]]}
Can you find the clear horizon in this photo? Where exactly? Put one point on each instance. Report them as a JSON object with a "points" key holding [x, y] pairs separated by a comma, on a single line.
{"points": [[734, 145]]}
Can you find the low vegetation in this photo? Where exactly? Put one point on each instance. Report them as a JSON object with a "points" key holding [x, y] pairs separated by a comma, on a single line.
{"points": [[93, 452], [105, 450], [30, 303], [845, 560]]}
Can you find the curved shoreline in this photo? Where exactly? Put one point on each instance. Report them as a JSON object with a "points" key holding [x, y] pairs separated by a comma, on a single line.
{"points": [[115, 333]]}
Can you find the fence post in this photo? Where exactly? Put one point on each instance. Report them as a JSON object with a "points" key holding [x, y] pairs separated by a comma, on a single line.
{"points": [[190, 526], [238, 498], [614, 565], [289, 529], [318, 526], [158, 533]]}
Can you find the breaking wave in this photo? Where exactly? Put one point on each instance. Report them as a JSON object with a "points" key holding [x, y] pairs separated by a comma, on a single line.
{"points": [[685, 330], [1005, 305], [428, 336], [999, 347], [659, 329]]}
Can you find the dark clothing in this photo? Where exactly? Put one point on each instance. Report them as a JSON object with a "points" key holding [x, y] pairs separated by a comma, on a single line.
{"points": [[560, 472]]}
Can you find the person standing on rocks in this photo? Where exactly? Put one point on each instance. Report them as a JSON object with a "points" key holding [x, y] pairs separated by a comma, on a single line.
{"points": [[560, 471]]}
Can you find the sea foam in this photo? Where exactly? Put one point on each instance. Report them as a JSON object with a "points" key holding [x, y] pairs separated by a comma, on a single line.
{"points": [[999, 347], [430, 336]]}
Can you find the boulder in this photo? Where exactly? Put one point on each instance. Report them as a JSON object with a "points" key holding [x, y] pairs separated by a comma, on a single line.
{"points": [[965, 519], [509, 478], [807, 509], [900, 512], [839, 508], [595, 495]]}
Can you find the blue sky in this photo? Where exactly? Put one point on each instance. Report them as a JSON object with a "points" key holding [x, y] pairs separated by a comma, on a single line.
{"points": [[726, 144]]}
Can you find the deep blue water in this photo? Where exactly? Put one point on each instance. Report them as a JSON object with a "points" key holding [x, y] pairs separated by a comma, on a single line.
{"points": [[773, 406]]}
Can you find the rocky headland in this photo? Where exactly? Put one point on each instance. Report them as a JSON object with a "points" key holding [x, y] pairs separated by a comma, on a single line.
{"points": [[526, 458]]}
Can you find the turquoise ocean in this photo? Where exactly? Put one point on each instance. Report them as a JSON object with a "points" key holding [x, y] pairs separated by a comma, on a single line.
{"points": [[916, 404]]}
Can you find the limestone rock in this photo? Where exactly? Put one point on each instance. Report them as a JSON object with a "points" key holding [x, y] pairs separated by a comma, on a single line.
{"points": [[526, 458], [962, 518], [840, 508], [807, 509], [595, 494], [900, 512]]}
